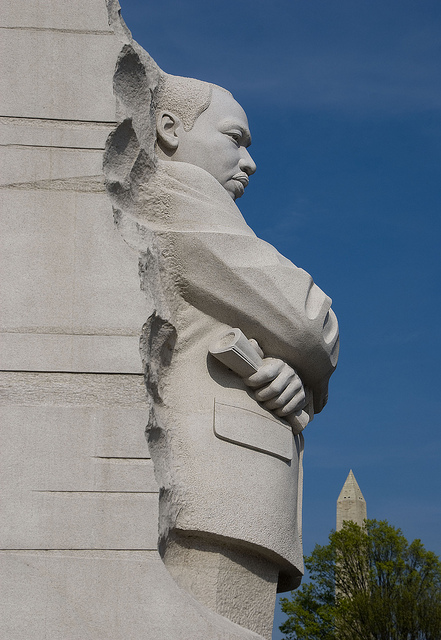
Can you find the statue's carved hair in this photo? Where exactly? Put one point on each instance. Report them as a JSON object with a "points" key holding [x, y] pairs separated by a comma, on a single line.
{"points": [[185, 97], [143, 90]]}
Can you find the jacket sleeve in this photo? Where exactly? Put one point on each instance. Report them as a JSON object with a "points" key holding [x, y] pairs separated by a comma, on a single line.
{"points": [[244, 282]]}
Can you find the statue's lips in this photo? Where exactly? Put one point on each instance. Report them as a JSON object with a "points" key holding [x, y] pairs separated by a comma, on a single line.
{"points": [[242, 180]]}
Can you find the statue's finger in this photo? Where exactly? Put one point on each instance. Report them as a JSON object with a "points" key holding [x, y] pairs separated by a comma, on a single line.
{"points": [[294, 390], [266, 373], [257, 347], [278, 385], [297, 403]]}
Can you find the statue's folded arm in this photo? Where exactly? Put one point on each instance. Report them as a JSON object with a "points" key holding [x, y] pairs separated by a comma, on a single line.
{"points": [[242, 281]]}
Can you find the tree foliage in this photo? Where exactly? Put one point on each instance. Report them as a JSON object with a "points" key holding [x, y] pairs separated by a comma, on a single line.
{"points": [[368, 583]]}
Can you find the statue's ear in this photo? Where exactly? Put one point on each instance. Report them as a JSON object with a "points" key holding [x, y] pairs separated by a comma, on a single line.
{"points": [[167, 125]]}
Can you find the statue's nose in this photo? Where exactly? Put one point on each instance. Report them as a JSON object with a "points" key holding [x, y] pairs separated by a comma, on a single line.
{"points": [[246, 163]]}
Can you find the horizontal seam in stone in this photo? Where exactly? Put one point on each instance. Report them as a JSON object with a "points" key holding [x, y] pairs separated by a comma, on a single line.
{"points": [[74, 373], [52, 186], [90, 32], [32, 120], [67, 335], [79, 549], [49, 146], [119, 458], [101, 492]]}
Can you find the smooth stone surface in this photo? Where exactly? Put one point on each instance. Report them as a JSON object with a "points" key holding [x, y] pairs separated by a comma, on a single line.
{"points": [[35, 84], [30, 164], [76, 470], [102, 595], [240, 586], [67, 134], [80, 520], [70, 273], [82, 15], [79, 353]]}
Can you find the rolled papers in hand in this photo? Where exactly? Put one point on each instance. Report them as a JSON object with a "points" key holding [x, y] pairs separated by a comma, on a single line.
{"points": [[237, 353]]}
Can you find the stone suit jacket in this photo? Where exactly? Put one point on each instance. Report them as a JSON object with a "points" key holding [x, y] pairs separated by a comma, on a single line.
{"points": [[227, 468]]}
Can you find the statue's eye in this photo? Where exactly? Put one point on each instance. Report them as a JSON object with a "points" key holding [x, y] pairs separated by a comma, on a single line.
{"points": [[235, 136]]}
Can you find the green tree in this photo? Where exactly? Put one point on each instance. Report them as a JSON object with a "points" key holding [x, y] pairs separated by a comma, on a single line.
{"points": [[368, 583]]}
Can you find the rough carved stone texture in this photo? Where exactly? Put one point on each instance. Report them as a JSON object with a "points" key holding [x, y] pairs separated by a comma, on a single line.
{"points": [[79, 506]]}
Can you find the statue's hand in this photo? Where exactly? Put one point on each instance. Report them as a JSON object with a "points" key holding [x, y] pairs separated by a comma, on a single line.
{"points": [[277, 386]]}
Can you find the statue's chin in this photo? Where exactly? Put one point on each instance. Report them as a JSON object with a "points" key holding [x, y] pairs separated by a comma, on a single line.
{"points": [[235, 189]]}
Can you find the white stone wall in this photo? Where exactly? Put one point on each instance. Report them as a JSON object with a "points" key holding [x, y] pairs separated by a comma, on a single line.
{"points": [[78, 529]]}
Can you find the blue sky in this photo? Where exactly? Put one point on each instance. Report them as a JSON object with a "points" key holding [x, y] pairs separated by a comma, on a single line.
{"points": [[344, 103]]}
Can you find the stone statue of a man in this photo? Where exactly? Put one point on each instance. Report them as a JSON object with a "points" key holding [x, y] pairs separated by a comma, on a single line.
{"points": [[226, 459]]}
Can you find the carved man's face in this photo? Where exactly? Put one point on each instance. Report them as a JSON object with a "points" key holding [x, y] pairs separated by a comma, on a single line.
{"points": [[218, 143]]}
